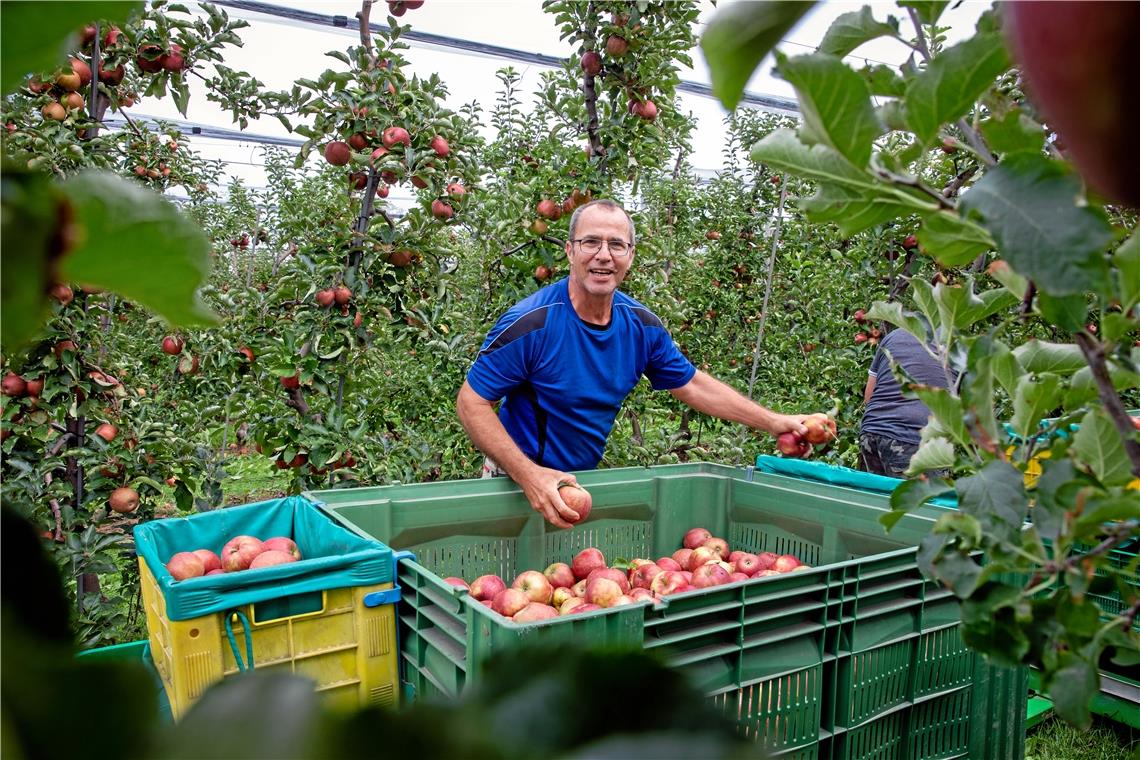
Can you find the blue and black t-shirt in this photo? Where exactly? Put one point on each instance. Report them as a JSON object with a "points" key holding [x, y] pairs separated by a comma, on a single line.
{"points": [[889, 413], [563, 380]]}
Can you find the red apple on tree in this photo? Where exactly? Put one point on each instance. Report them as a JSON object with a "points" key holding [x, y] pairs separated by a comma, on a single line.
{"points": [[393, 136], [591, 63], [172, 345], [440, 146], [123, 500], [338, 153]]}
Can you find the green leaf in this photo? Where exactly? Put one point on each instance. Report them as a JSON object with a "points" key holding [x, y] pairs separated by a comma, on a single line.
{"points": [[1098, 446], [978, 388], [737, 39], [1082, 387], [834, 102], [1067, 312], [995, 495], [893, 313], [139, 245], [948, 87], [1072, 688], [1013, 133], [30, 215], [934, 454], [947, 408], [850, 30], [928, 11], [1050, 508], [1115, 326], [1127, 263], [1010, 280], [912, 494], [991, 623], [1007, 371], [1036, 398], [1106, 509], [965, 527], [1031, 207], [923, 294], [885, 81], [1043, 356], [953, 240], [956, 305], [37, 36]]}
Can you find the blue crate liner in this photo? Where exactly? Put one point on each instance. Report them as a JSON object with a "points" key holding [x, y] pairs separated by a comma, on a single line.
{"points": [[821, 472], [333, 557]]}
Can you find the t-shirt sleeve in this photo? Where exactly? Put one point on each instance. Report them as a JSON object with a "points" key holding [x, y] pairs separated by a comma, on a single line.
{"points": [[879, 363], [667, 369], [498, 370]]}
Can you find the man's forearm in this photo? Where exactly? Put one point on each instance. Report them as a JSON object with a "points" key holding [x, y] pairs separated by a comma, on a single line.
{"points": [[486, 431], [708, 395]]}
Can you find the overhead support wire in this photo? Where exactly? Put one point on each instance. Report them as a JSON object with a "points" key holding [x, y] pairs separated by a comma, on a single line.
{"points": [[217, 133], [770, 102]]}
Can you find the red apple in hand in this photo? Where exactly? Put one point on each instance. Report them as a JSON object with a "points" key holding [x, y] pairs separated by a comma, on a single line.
{"points": [[577, 498], [820, 428]]}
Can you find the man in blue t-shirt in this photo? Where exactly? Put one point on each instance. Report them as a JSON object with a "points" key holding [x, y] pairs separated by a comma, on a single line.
{"points": [[564, 359], [889, 431]]}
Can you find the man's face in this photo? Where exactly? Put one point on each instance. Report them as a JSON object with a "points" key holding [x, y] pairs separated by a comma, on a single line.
{"points": [[599, 274]]}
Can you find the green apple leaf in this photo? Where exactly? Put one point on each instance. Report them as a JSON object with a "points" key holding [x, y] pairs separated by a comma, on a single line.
{"points": [[850, 30], [995, 496], [893, 313], [737, 39], [1098, 446], [1082, 387], [1031, 207], [30, 214], [947, 408], [1035, 399], [934, 454], [1127, 263], [910, 495], [923, 294], [136, 243], [835, 103], [1043, 356], [978, 389], [1067, 312], [952, 240], [37, 36], [1072, 689], [1010, 280], [1051, 507], [1007, 370], [885, 81], [1013, 133], [1100, 510], [946, 90], [929, 11]]}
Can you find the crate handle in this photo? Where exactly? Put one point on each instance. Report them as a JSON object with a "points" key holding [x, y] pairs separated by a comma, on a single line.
{"points": [[242, 666]]}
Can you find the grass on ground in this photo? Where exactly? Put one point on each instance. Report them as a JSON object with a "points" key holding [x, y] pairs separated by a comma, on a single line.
{"points": [[1105, 740]]}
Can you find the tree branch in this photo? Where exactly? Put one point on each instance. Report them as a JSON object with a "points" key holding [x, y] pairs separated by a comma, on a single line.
{"points": [[1093, 350], [589, 91], [365, 39]]}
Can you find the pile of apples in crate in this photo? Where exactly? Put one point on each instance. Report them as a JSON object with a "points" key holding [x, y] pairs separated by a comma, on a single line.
{"points": [[588, 584], [239, 553]]}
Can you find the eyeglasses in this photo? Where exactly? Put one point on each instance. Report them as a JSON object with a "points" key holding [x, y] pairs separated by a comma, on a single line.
{"points": [[592, 246]]}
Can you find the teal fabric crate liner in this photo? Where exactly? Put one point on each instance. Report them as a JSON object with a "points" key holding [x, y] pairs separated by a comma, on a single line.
{"points": [[332, 557], [836, 475]]}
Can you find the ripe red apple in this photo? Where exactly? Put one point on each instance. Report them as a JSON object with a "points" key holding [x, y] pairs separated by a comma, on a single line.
{"points": [[54, 112], [591, 63], [34, 387], [486, 587], [451, 580], [667, 582], [342, 295], [247, 353], [702, 555], [571, 604], [238, 552], [172, 345], [441, 210], [173, 60], [615, 575], [579, 588], [860, 316], [509, 601], [668, 563], [646, 110], [112, 77], [535, 585], [766, 559], [13, 385], [639, 594], [326, 297], [587, 607], [603, 592], [185, 565], [767, 573], [539, 227], [270, 558], [107, 432], [694, 538], [338, 153], [748, 564], [393, 136], [124, 500], [910, 242], [534, 612], [560, 595], [357, 141], [542, 274], [792, 445], [291, 383], [718, 545], [210, 560], [681, 557], [643, 575], [785, 563], [548, 209], [820, 428], [578, 499], [616, 46], [586, 561], [710, 574], [560, 575], [738, 576], [1079, 65], [440, 146], [282, 544]]}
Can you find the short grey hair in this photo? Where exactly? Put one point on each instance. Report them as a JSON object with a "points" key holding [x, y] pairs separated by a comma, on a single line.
{"points": [[603, 203]]}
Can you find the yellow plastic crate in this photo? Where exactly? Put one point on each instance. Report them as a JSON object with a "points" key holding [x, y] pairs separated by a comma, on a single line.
{"points": [[331, 636]]}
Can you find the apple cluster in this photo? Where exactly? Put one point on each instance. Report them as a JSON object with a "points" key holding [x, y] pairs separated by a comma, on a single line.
{"points": [[587, 583], [239, 553], [820, 430]]}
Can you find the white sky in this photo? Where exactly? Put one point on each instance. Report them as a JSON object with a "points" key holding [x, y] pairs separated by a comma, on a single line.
{"points": [[279, 51]]}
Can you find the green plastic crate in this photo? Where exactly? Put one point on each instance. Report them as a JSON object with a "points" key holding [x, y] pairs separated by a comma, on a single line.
{"points": [[857, 658]]}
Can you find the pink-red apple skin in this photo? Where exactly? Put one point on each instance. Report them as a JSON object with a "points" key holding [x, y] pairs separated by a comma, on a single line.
{"points": [[734, 577], [534, 585], [238, 552], [210, 560], [185, 565], [668, 563], [271, 558], [578, 499], [640, 594], [509, 602], [708, 575], [586, 561], [570, 605], [667, 582], [284, 544], [560, 595], [452, 580], [534, 612], [559, 574], [695, 537], [643, 576], [603, 592], [749, 564], [486, 586], [702, 555], [681, 557], [766, 559], [587, 607], [718, 545], [219, 571], [615, 575], [786, 563]]}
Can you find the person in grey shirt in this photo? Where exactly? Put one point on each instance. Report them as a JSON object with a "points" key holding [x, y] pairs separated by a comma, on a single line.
{"points": [[889, 431]]}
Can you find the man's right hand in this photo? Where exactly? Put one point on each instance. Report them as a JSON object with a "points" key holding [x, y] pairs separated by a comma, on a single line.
{"points": [[541, 488]]}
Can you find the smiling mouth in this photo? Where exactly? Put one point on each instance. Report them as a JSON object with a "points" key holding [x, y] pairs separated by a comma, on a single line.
{"points": [[601, 272]]}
